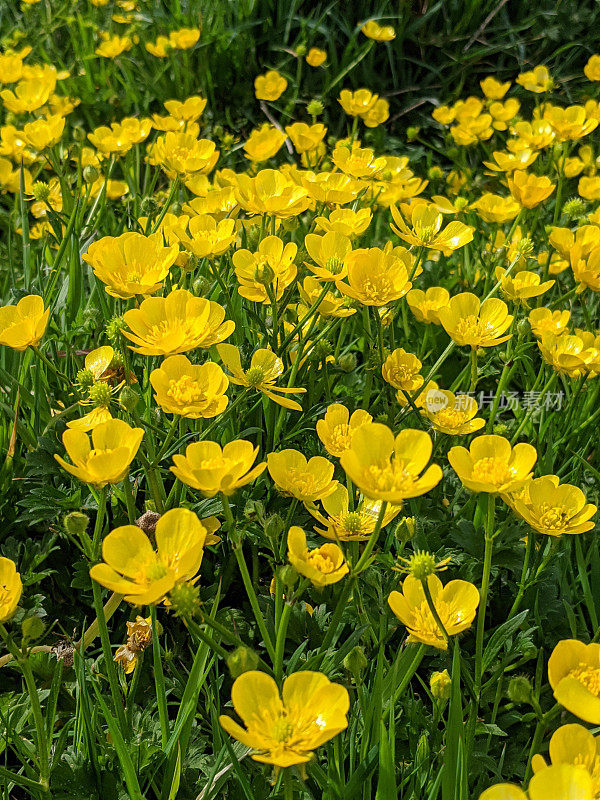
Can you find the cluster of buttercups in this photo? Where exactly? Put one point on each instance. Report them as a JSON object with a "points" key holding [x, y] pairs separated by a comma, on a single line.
{"points": [[240, 228]]}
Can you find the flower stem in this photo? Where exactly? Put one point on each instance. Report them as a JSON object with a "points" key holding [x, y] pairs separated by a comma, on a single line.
{"points": [[159, 681], [485, 585], [247, 581], [362, 561]]}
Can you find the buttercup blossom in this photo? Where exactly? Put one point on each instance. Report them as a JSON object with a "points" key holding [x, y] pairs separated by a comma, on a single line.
{"points": [[337, 427], [492, 465], [470, 322], [131, 264], [345, 525], [323, 566], [175, 324], [553, 508], [11, 588], [389, 468], [456, 605], [23, 325], [574, 675], [210, 469], [269, 86], [265, 368], [271, 267], [133, 568], [190, 390], [284, 730], [107, 457], [426, 229], [305, 480]]}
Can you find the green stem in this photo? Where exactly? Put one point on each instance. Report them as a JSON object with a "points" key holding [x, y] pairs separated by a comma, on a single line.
{"points": [[247, 581], [433, 609], [159, 681], [522, 583], [485, 585], [473, 382], [362, 561], [40, 728]]}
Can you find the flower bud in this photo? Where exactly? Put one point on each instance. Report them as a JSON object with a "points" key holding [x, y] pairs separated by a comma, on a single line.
{"points": [[301, 50], [90, 174], [114, 327], [129, 398], [315, 108], [243, 659], [440, 684], [422, 752], [288, 577], [200, 286], [412, 133], [435, 173], [274, 527], [254, 509], [347, 362], [520, 689], [76, 523], [356, 663], [85, 378], [149, 207], [100, 394]]}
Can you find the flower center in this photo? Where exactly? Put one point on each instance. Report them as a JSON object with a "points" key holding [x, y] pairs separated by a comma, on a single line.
{"points": [[390, 476], [472, 329], [185, 391], [492, 470], [451, 418], [321, 561], [341, 437], [353, 522], [553, 517], [155, 571], [255, 376], [334, 264], [588, 677]]}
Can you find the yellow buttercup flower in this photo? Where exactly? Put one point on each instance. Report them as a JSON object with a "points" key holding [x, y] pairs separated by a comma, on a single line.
{"points": [[592, 68], [589, 187], [538, 80], [316, 57], [113, 46], [180, 153], [43, 133], [160, 48], [131, 264], [107, 457], [426, 305], [305, 480], [586, 268], [573, 745], [330, 303], [544, 320], [188, 110], [284, 732], [569, 123], [376, 277], [522, 285], [345, 525], [536, 135], [494, 208], [190, 390], [456, 605], [306, 137], [357, 103], [91, 420], [337, 427], [493, 89], [269, 86], [11, 67], [203, 236], [331, 188], [11, 588], [270, 192], [346, 221], [23, 325], [265, 368], [492, 465], [529, 190], [330, 253], [509, 162], [379, 113], [380, 33], [323, 566], [567, 354], [211, 470], [179, 322], [402, 371], [120, 137], [139, 638], [425, 231], [574, 675], [454, 415], [358, 162], [389, 468], [133, 568], [558, 782], [271, 268], [29, 95], [184, 38], [263, 143], [553, 508], [470, 322]]}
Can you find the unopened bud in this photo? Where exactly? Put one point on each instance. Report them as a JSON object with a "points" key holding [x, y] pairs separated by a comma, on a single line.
{"points": [[440, 684], [347, 362], [315, 108], [243, 659], [520, 689], [356, 663], [288, 577], [274, 527], [185, 600], [129, 398], [90, 174], [76, 523], [412, 133]]}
